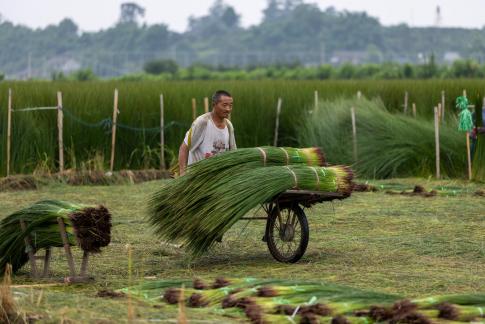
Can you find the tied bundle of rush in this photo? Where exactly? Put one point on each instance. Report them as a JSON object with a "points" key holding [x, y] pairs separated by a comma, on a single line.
{"points": [[176, 197], [86, 226], [230, 198], [274, 301]]}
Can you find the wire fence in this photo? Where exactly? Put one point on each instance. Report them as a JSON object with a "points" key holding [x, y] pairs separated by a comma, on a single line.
{"points": [[109, 125]]}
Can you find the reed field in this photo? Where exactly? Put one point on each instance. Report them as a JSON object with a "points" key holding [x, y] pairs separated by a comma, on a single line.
{"points": [[88, 108], [408, 246]]}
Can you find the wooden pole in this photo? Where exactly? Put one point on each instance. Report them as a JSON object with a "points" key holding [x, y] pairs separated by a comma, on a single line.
{"points": [[30, 250], [354, 133], [9, 129], [468, 156], [406, 99], [60, 128], [47, 261], [414, 110], [443, 102], [206, 105], [194, 109], [67, 247], [316, 101], [277, 125], [162, 135], [437, 141], [84, 264], [439, 111], [359, 94], [113, 131]]}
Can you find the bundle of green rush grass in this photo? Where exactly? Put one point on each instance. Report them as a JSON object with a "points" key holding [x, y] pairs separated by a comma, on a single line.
{"points": [[176, 198], [389, 145], [280, 301], [86, 226], [229, 198]]}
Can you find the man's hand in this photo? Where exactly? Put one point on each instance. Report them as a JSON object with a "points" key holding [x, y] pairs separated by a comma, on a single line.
{"points": [[183, 157]]}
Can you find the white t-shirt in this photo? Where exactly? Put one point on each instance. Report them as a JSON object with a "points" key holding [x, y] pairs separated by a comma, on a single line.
{"points": [[216, 140]]}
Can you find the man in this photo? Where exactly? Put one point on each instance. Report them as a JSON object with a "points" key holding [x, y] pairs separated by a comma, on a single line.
{"points": [[210, 134], [477, 129]]}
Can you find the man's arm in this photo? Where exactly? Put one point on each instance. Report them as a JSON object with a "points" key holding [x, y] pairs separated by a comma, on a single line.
{"points": [[183, 157]]}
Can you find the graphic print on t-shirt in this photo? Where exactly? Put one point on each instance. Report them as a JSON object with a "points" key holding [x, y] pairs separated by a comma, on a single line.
{"points": [[216, 140], [219, 146]]}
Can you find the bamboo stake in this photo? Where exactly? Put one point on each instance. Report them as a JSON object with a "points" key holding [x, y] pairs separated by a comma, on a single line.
{"points": [[437, 141], [194, 109], [406, 99], [414, 110], [439, 111], [84, 264], [113, 131], [47, 261], [30, 250], [354, 133], [206, 105], [9, 129], [316, 101], [468, 156], [443, 102], [67, 247], [60, 128], [162, 135], [278, 111]]}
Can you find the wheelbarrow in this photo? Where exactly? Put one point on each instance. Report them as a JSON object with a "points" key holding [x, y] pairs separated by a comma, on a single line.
{"points": [[287, 232]]}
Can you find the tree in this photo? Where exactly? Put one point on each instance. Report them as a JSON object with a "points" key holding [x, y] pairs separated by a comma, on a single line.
{"points": [[430, 69], [83, 75], [160, 66], [272, 11], [131, 12], [221, 19]]}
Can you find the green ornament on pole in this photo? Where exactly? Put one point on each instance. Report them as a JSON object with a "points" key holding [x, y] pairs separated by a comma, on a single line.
{"points": [[465, 123]]}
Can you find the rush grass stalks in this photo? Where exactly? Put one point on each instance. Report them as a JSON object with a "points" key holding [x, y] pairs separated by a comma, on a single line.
{"points": [[86, 226], [215, 208]]}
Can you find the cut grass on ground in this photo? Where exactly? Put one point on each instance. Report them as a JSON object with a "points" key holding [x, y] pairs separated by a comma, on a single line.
{"points": [[413, 246]]}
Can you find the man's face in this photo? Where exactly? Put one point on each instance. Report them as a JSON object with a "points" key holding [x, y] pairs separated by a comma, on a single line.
{"points": [[223, 107]]}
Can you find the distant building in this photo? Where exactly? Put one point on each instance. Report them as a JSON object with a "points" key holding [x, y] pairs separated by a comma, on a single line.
{"points": [[450, 57], [354, 57]]}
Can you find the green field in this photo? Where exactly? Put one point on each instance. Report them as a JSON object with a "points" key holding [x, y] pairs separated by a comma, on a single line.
{"points": [[88, 106], [408, 245]]}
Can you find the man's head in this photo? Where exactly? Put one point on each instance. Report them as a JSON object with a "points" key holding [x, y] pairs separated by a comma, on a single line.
{"points": [[222, 103]]}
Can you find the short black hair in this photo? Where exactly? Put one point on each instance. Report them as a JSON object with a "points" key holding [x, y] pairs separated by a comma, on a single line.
{"points": [[218, 94]]}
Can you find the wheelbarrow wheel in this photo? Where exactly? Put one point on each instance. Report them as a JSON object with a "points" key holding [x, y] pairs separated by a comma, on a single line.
{"points": [[287, 233]]}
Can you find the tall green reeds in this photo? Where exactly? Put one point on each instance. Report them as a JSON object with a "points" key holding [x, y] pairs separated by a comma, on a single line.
{"points": [[388, 144], [34, 135]]}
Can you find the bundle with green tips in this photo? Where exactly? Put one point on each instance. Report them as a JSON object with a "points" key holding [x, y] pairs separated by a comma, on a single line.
{"points": [[281, 301], [86, 226], [177, 195], [218, 204], [178, 199]]}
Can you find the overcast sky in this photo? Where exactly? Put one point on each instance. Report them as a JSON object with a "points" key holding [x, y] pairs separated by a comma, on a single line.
{"points": [[91, 15]]}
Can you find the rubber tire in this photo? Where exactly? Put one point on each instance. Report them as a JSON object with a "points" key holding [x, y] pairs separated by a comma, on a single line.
{"points": [[305, 235]]}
